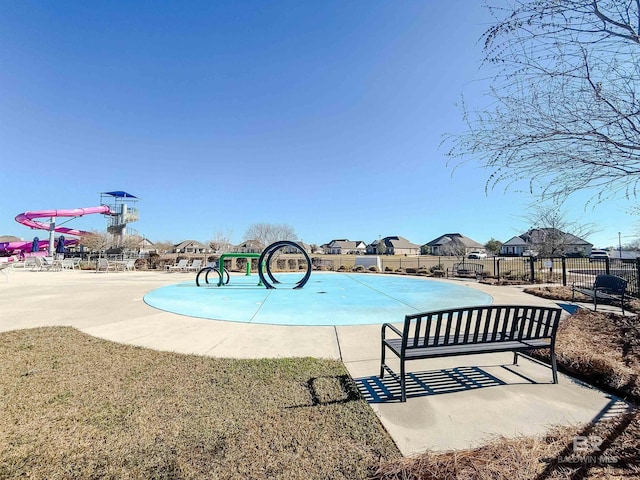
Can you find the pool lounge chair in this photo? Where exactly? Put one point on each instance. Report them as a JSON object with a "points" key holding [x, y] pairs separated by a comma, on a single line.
{"points": [[104, 265], [4, 268], [181, 266], [195, 266], [71, 263], [129, 265]]}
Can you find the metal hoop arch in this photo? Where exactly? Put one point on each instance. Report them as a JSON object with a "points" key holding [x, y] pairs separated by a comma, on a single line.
{"points": [[207, 271], [265, 260]]}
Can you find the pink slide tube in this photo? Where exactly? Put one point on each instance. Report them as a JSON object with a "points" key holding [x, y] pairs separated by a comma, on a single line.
{"points": [[27, 219]]}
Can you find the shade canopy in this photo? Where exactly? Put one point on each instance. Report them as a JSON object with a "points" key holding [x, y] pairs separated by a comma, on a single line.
{"points": [[119, 194]]}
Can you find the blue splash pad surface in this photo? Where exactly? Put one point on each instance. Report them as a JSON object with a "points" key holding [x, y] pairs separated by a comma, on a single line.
{"points": [[327, 299]]}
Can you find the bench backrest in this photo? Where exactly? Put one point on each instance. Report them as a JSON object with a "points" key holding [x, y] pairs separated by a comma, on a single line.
{"points": [[473, 325], [611, 283], [472, 267]]}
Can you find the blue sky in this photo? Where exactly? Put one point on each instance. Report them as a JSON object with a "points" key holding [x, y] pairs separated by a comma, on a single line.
{"points": [[325, 116]]}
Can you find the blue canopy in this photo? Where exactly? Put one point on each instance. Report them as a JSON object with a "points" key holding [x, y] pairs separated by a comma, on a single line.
{"points": [[119, 194]]}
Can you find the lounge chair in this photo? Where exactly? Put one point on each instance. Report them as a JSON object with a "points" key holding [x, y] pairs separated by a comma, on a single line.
{"points": [[129, 265], [4, 268], [104, 265], [46, 264], [71, 263], [195, 266], [181, 266]]}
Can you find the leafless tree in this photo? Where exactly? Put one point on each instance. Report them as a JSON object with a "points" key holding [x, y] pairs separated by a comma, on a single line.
{"points": [[455, 247], [552, 233], [563, 111], [164, 246], [267, 233], [96, 241], [221, 241]]}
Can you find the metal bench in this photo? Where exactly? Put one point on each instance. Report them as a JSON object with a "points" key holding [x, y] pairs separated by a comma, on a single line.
{"points": [[467, 269], [465, 331], [605, 287]]}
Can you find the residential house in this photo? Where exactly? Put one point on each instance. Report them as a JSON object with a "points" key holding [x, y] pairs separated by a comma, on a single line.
{"points": [[345, 247], [249, 246], [546, 242], [190, 246], [393, 246], [452, 244], [146, 245]]}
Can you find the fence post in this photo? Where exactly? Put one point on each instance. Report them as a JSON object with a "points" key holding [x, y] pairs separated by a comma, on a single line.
{"points": [[564, 272], [496, 271], [637, 292], [532, 269], [607, 265]]}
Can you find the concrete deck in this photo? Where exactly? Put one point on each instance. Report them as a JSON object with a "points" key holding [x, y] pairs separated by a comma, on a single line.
{"points": [[454, 403]]}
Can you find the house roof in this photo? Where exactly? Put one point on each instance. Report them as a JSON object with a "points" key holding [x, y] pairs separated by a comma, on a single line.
{"points": [[398, 242], [515, 242], [536, 235], [343, 243], [189, 243], [448, 237], [251, 244]]}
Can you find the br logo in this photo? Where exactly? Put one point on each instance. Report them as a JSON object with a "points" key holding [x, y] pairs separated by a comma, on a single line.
{"points": [[587, 444]]}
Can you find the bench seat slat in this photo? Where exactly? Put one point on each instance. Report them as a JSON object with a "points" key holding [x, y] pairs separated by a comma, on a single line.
{"points": [[465, 349]]}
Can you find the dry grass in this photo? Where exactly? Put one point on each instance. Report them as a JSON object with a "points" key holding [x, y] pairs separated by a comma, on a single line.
{"points": [[78, 407], [526, 458]]}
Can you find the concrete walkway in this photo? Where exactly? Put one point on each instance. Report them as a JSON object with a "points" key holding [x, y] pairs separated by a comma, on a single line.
{"points": [[454, 403]]}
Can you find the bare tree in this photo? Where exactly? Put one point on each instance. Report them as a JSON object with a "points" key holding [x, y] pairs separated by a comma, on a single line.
{"points": [[553, 234], [132, 242], [164, 246], [221, 241], [267, 233], [563, 110], [455, 247], [96, 241]]}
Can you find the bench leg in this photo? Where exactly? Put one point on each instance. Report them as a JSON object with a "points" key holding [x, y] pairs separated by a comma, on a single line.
{"points": [[554, 366], [403, 382], [382, 362]]}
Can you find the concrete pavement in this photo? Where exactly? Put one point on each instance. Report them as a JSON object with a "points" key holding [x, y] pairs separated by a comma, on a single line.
{"points": [[454, 403]]}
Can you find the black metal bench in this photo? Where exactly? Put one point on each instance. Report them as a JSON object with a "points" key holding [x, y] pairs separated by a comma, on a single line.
{"points": [[467, 269], [605, 287], [465, 331]]}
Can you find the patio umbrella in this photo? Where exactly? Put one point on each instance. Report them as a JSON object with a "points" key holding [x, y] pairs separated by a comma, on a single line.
{"points": [[60, 244], [35, 244]]}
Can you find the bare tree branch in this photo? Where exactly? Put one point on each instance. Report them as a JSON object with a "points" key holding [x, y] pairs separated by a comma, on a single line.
{"points": [[563, 112]]}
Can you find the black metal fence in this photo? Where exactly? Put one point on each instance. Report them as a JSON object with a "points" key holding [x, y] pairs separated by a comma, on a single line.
{"points": [[567, 271]]}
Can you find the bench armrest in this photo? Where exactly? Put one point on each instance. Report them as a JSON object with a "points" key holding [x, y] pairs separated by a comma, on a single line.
{"points": [[384, 327]]}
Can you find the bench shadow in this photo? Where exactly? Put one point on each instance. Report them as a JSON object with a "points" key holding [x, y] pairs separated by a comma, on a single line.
{"points": [[432, 382]]}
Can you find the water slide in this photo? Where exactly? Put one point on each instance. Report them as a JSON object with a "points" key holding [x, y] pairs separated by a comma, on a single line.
{"points": [[28, 219]]}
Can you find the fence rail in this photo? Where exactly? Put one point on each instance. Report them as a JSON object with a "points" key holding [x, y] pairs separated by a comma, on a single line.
{"points": [[559, 270]]}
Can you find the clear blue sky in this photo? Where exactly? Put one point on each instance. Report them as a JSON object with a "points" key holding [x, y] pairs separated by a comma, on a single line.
{"points": [[325, 116]]}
